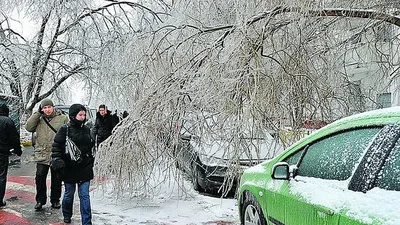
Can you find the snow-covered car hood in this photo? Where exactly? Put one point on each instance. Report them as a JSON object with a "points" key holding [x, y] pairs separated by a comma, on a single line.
{"points": [[252, 150]]}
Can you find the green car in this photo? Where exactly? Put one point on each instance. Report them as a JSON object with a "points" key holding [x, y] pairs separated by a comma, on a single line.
{"points": [[346, 173]]}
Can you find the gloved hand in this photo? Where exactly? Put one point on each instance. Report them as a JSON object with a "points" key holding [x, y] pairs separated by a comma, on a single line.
{"points": [[91, 161], [40, 110], [17, 150], [57, 164]]}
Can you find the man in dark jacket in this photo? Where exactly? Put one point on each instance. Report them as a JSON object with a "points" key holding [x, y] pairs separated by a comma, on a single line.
{"points": [[104, 124], [9, 139]]}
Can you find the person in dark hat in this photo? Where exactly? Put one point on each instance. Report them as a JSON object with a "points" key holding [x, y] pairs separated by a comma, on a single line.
{"points": [[46, 122], [75, 173], [9, 139]]}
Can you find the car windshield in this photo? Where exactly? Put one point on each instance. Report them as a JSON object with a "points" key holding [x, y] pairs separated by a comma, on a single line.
{"points": [[245, 148], [215, 136], [64, 109]]}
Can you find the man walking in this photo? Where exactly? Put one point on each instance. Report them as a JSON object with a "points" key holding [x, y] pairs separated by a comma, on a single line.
{"points": [[46, 122], [104, 124], [9, 139]]}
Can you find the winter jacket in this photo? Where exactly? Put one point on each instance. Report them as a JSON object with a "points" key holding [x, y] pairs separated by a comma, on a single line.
{"points": [[9, 136], [44, 134], [103, 126], [74, 172]]}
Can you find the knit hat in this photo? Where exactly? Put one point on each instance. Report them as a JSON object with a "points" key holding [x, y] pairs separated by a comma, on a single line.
{"points": [[74, 110], [4, 110], [45, 102]]}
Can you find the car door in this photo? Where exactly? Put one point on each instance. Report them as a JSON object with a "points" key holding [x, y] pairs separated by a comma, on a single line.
{"points": [[377, 180], [323, 172]]}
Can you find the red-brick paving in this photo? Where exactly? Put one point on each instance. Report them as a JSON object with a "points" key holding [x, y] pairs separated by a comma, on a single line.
{"points": [[21, 180], [11, 219], [19, 209], [20, 195]]}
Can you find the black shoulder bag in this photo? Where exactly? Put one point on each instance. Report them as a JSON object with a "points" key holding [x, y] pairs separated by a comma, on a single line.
{"points": [[70, 147]]}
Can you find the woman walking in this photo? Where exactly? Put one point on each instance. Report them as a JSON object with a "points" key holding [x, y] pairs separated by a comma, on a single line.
{"points": [[75, 173]]}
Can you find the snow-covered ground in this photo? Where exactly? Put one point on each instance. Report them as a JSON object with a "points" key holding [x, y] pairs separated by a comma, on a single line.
{"points": [[198, 210], [167, 207]]}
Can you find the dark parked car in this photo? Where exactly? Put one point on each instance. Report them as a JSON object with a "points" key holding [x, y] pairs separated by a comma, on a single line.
{"points": [[90, 113], [215, 166], [90, 116]]}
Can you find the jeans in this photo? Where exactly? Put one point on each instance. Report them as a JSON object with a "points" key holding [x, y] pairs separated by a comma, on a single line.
{"points": [[41, 184], [3, 175], [84, 199]]}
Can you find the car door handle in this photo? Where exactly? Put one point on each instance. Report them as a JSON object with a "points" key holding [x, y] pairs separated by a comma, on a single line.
{"points": [[324, 210]]}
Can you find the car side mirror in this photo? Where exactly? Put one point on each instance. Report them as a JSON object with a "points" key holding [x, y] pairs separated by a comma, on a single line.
{"points": [[281, 171]]}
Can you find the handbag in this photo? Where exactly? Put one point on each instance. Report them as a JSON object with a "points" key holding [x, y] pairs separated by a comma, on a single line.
{"points": [[70, 147], [72, 150]]}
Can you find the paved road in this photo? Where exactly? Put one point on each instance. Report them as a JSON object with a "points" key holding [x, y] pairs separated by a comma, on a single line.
{"points": [[20, 195], [20, 198]]}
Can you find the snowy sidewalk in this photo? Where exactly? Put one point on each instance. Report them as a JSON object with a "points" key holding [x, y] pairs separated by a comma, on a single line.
{"points": [[165, 208], [196, 210]]}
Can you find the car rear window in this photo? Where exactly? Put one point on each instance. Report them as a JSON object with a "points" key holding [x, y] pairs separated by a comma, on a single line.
{"points": [[335, 157]]}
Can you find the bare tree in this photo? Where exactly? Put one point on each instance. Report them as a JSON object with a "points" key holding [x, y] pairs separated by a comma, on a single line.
{"points": [[70, 38], [254, 65]]}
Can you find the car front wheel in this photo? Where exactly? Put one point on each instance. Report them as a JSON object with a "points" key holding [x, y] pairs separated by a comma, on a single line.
{"points": [[251, 211]]}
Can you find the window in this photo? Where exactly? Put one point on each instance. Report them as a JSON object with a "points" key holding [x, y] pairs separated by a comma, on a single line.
{"points": [[389, 178], [354, 95], [293, 159], [335, 157], [384, 100], [383, 32]]}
